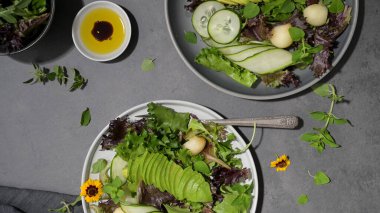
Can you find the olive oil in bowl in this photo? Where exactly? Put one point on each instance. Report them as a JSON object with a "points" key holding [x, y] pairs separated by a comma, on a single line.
{"points": [[101, 31]]}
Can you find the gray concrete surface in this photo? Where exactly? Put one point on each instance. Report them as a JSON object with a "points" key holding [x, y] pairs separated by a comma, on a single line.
{"points": [[43, 146]]}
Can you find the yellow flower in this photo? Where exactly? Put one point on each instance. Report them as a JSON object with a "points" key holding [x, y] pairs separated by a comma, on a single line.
{"points": [[92, 190], [281, 163]]}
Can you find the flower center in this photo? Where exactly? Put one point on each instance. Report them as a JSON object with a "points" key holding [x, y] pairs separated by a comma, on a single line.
{"points": [[92, 191], [281, 164]]}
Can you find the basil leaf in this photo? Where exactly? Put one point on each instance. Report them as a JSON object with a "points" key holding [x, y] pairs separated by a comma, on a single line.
{"points": [[321, 178], [302, 199], [336, 6], [321, 90], [319, 116], [190, 37], [310, 137], [147, 65], [86, 117]]}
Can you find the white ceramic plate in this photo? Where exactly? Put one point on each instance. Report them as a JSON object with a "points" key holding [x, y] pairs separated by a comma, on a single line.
{"points": [[76, 31], [180, 106]]}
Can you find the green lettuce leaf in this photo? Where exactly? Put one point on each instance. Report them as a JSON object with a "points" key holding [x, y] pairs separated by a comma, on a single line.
{"points": [[165, 117], [237, 198], [213, 59]]}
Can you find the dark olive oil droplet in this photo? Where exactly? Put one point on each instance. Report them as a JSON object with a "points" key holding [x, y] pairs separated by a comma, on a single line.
{"points": [[102, 30]]}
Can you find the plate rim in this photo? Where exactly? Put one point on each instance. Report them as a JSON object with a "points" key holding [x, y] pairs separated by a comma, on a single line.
{"points": [[96, 142], [336, 60]]}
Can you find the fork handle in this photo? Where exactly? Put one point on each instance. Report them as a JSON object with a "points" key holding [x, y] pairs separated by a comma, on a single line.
{"points": [[280, 122]]}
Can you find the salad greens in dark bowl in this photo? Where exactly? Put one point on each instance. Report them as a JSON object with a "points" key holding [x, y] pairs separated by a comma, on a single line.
{"points": [[23, 23], [261, 49]]}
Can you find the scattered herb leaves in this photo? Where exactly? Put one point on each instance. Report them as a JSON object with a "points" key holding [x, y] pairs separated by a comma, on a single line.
{"points": [[148, 64], [320, 178], [79, 81], [303, 199], [86, 117], [66, 207], [304, 54], [320, 137], [99, 165], [59, 74], [251, 10], [190, 37]]}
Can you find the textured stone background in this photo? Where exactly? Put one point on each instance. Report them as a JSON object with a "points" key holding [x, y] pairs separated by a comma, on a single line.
{"points": [[42, 145]]}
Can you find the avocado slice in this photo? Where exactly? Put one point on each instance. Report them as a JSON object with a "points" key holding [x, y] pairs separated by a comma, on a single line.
{"points": [[176, 180], [162, 175], [150, 168], [186, 176], [165, 176], [191, 188], [156, 171], [158, 175], [174, 168], [140, 166], [203, 194], [145, 166]]}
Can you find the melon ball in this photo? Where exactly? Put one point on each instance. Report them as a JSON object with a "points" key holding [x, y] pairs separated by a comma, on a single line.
{"points": [[316, 14], [280, 36]]}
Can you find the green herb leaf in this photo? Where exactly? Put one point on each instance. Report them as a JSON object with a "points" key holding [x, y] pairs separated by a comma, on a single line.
{"points": [[288, 7], [321, 90], [310, 137], [79, 81], [321, 178], [99, 165], [302, 199], [86, 117], [28, 81], [202, 167], [251, 10], [147, 65], [296, 33], [336, 6], [190, 37], [319, 116]]}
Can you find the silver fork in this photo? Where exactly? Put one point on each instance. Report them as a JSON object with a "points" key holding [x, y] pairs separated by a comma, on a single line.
{"points": [[278, 122]]}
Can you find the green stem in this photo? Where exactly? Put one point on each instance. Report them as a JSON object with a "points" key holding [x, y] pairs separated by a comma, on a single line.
{"points": [[331, 106]]}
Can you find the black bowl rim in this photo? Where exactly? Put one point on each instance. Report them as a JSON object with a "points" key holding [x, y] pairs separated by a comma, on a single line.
{"points": [[336, 60], [42, 34]]}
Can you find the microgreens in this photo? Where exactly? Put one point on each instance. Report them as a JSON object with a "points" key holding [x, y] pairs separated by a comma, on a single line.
{"points": [[190, 37], [304, 54], [334, 6], [59, 74], [251, 10], [321, 137]]}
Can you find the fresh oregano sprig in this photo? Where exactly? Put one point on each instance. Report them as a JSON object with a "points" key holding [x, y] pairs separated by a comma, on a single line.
{"points": [[320, 137], [59, 74]]}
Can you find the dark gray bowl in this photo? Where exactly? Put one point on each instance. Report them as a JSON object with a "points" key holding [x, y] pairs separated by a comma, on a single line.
{"points": [[39, 35], [179, 21]]}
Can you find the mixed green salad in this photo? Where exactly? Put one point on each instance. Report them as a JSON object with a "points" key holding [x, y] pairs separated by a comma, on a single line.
{"points": [[267, 40], [170, 162], [21, 22]]}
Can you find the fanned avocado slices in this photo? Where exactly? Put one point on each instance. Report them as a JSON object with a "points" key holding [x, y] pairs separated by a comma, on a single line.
{"points": [[183, 184]]}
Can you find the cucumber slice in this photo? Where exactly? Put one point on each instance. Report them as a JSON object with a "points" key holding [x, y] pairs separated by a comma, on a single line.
{"points": [[202, 15], [211, 43], [242, 55], [228, 50], [268, 61], [117, 166], [224, 26], [138, 209]]}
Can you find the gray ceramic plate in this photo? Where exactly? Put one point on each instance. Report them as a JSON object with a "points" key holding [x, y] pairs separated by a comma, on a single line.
{"points": [[178, 21]]}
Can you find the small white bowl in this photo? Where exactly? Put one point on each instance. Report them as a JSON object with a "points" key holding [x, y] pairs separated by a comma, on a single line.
{"points": [[77, 24]]}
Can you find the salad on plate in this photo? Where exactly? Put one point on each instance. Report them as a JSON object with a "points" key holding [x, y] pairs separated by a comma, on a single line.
{"points": [[171, 162], [252, 40]]}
